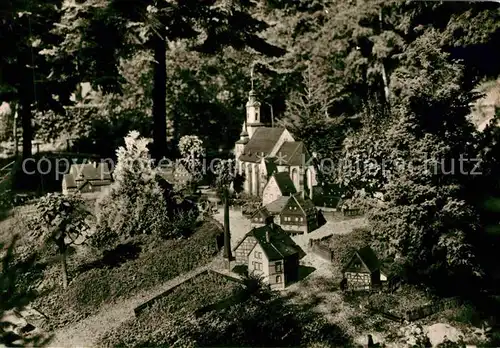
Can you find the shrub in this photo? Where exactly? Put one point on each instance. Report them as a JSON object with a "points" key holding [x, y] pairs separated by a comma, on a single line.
{"points": [[182, 223], [466, 314], [344, 245], [259, 321], [135, 203]]}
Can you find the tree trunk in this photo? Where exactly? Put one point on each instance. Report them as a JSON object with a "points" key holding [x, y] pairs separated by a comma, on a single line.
{"points": [[159, 98], [385, 80], [25, 114], [227, 235], [64, 266], [386, 83]]}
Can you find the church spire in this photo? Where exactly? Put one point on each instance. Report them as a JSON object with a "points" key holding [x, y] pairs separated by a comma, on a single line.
{"points": [[253, 108], [244, 132]]}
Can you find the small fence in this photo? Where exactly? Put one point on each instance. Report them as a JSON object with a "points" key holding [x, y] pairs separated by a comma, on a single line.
{"points": [[430, 309], [321, 250], [353, 212], [419, 313]]}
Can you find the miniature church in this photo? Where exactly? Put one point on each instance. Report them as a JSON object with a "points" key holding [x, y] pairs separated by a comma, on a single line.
{"points": [[261, 152]]}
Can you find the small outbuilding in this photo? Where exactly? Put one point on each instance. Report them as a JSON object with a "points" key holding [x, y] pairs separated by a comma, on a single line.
{"points": [[362, 272]]}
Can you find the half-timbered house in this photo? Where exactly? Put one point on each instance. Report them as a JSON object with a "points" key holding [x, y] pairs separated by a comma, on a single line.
{"points": [[294, 213], [362, 272], [270, 253]]}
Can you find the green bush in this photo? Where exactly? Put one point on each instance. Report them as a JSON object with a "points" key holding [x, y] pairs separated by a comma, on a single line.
{"points": [[466, 314], [344, 245]]}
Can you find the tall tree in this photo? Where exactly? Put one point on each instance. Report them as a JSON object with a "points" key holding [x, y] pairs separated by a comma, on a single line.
{"points": [[411, 152], [25, 78], [108, 29]]}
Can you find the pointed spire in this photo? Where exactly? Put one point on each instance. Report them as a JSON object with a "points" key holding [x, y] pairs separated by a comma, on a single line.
{"points": [[244, 129], [251, 74]]}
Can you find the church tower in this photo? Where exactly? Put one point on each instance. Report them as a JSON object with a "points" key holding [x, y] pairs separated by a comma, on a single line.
{"points": [[253, 114]]}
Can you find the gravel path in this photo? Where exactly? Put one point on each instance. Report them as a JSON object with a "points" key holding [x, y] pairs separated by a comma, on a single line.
{"points": [[85, 332]]}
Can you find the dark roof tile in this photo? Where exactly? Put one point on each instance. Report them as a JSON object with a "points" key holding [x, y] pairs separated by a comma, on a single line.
{"points": [[280, 245], [261, 144], [285, 183], [293, 153], [368, 257]]}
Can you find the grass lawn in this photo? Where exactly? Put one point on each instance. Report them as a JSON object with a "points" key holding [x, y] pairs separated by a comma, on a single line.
{"points": [[153, 324], [202, 290], [93, 284]]}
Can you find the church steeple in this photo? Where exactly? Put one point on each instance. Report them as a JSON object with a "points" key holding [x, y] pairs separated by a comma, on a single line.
{"points": [[253, 110], [244, 134]]}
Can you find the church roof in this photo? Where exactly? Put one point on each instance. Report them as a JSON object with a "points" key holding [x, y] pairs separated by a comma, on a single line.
{"points": [[285, 183], [261, 144], [293, 153]]}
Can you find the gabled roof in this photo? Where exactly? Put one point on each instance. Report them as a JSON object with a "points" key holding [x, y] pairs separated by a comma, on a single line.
{"points": [[262, 212], [81, 174], [280, 245], [285, 183], [89, 171], [261, 144], [276, 207], [305, 204], [293, 153], [367, 256]]}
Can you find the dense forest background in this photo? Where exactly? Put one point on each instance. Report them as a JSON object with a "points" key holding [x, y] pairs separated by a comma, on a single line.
{"points": [[362, 81]]}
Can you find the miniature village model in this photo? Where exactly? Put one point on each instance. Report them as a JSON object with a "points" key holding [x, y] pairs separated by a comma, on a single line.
{"points": [[279, 170]]}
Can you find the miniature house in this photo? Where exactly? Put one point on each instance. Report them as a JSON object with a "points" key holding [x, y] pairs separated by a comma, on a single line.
{"points": [[270, 253], [296, 215], [87, 178], [362, 272]]}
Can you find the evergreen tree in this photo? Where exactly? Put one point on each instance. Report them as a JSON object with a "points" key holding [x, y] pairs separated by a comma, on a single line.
{"points": [[25, 74], [134, 204]]}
